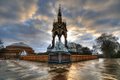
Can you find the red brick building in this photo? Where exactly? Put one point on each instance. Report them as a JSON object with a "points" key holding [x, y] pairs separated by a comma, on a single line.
{"points": [[13, 50]]}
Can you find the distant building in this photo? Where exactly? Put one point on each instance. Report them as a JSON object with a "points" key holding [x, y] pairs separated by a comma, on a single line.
{"points": [[14, 50], [74, 48]]}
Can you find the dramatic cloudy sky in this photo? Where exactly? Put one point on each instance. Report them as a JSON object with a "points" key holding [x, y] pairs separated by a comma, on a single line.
{"points": [[30, 21]]}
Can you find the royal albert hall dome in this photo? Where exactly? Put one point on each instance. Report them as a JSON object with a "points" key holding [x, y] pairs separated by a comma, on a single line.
{"points": [[13, 50], [20, 46]]}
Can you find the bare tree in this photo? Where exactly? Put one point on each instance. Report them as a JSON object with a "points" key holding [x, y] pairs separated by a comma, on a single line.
{"points": [[107, 43]]}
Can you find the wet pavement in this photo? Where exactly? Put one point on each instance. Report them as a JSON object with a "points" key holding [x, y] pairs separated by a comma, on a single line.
{"points": [[99, 69]]}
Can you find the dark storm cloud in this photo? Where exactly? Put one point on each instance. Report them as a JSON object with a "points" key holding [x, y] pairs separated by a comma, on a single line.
{"points": [[86, 37], [16, 10], [44, 7], [30, 21], [24, 33], [17, 30]]}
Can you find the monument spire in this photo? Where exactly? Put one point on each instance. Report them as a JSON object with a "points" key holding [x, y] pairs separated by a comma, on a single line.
{"points": [[59, 14], [59, 29]]}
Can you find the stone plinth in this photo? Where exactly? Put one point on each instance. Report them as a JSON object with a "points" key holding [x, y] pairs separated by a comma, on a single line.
{"points": [[58, 54]]}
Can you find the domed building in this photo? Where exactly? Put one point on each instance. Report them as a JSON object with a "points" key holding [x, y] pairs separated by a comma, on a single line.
{"points": [[15, 49]]}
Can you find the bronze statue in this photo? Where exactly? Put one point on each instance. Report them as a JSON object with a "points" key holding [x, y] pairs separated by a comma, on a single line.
{"points": [[59, 29]]}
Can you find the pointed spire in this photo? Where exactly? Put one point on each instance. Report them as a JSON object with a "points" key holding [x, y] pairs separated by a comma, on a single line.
{"points": [[59, 14], [59, 11]]}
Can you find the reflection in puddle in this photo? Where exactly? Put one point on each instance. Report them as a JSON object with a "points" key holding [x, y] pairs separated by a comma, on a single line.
{"points": [[59, 77], [99, 69]]}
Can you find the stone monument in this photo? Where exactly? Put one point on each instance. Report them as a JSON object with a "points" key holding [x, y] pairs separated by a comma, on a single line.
{"points": [[58, 51], [59, 29]]}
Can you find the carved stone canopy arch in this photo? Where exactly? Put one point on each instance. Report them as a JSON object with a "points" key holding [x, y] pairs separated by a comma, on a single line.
{"points": [[59, 29]]}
